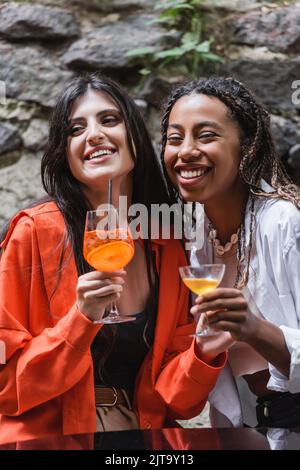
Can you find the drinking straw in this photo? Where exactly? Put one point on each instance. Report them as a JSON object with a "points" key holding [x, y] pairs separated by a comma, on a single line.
{"points": [[109, 191], [109, 202]]}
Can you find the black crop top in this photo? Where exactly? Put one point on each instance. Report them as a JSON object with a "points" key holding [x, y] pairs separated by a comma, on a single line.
{"points": [[131, 343]]}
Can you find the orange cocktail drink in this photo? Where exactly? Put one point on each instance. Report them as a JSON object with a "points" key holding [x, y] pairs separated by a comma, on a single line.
{"points": [[200, 285], [108, 250]]}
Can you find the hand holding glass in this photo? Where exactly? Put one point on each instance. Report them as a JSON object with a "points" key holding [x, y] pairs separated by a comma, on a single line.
{"points": [[199, 280], [108, 247]]}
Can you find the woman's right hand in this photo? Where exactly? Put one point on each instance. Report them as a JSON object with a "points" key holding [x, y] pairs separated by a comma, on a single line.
{"points": [[210, 346], [96, 290]]}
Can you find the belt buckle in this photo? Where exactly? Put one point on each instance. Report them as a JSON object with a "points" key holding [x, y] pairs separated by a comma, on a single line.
{"points": [[115, 398]]}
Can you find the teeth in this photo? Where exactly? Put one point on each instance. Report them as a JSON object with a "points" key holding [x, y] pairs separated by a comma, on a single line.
{"points": [[192, 174], [99, 153]]}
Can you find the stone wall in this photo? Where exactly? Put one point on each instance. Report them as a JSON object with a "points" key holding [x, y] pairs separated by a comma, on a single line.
{"points": [[44, 43]]}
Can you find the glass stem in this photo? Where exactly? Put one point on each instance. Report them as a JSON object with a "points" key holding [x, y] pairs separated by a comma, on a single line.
{"points": [[114, 309], [204, 322]]}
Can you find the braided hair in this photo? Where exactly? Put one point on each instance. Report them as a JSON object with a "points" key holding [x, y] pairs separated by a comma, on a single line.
{"points": [[259, 159]]}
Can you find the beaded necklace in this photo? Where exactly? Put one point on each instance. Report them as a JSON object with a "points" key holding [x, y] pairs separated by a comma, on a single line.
{"points": [[220, 249], [243, 255]]}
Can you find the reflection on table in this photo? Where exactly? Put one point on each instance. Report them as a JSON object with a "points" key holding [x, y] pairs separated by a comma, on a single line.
{"points": [[168, 439]]}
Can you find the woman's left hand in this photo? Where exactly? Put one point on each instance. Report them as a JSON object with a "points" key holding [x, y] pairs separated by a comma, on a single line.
{"points": [[227, 310]]}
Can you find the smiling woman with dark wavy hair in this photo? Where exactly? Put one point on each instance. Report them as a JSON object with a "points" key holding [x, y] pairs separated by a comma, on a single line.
{"points": [[66, 371]]}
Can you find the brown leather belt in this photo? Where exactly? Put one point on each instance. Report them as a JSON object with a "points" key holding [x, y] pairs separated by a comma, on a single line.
{"points": [[109, 396]]}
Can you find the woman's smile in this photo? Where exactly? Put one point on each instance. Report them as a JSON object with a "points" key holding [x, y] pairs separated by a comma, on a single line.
{"points": [[189, 176], [98, 152], [100, 155]]}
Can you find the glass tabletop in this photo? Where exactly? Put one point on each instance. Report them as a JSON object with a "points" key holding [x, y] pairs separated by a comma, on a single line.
{"points": [[168, 439]]}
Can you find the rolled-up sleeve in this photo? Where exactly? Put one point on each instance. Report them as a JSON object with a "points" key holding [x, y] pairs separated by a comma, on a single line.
{"points": [[278, 381], [291, 330]]}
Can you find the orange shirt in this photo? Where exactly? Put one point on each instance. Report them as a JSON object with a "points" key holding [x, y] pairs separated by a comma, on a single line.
{"points": [[47, 384]]}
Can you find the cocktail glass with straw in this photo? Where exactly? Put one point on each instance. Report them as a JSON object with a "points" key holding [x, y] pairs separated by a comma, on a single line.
{"points": [[199, 280], [108, 247]]}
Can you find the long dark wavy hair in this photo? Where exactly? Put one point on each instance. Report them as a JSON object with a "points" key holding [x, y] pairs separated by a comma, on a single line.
{"points": [[259, 159]]}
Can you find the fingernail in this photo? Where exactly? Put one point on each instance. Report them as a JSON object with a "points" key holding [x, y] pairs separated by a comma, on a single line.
{"points": [[199, 299]]}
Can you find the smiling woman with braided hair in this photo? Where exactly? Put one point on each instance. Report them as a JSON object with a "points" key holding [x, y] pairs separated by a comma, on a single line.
{"points": [[217, 149]]}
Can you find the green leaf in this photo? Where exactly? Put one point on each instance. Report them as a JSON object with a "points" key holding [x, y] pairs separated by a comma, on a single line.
{"points": [[173, 13], [170, 4], [213, 57], [189, 38], [196, 27], [168, 13], [181, 7], [189, 46], [175, 52], [188, 17], [167, 61], [144, 72], [139, 52], [203, 47], [165, 19]]}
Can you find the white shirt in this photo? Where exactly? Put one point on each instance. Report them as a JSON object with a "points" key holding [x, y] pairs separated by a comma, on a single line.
{"points": [[274, 284]]}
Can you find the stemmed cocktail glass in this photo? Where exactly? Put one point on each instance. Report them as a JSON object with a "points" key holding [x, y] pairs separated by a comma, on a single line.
{"points": [[199, 280], [108, 247]]}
